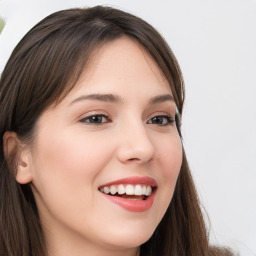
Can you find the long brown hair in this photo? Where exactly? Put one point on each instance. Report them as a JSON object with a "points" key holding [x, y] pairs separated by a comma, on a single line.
{"points": [[42, 69]]}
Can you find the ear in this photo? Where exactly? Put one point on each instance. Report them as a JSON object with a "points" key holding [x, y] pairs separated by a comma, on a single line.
{"points": [[17, 155]]}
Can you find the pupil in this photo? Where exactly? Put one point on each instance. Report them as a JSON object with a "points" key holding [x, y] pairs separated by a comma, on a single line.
{"points": [[96, 119], [158, 120]]}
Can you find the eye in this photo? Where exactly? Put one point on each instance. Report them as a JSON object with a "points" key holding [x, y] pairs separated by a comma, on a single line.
{"points": [[161, 120], [95, 119]]}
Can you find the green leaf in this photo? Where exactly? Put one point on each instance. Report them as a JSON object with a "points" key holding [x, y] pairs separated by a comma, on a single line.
{"points": [[1, 25]]}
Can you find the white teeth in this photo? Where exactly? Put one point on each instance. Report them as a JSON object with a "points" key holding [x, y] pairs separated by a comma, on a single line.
{"points": [[138, 190], [113, 190], [148, 191], [128, 189], [144, 189], [106, 190], [121, 189]]}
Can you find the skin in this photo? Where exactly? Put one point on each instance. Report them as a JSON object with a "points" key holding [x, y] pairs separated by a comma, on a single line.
{"points": [[72, 157]]}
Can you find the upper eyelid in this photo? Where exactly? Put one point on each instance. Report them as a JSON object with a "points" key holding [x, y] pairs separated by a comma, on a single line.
{"points": [[164, 115], [167, 106], [148, 116], [93, 113]]}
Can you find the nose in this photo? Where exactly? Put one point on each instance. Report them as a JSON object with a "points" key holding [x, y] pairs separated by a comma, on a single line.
{"points": [[135, 145]]}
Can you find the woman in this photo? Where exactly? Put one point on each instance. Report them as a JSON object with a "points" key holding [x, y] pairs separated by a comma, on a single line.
{"points": [[92, 161]]}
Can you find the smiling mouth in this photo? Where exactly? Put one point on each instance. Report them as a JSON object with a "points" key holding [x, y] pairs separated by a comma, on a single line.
{"points": [[128, 191]]}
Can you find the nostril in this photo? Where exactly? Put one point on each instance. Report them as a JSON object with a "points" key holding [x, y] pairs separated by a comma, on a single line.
{"points": [[136, 150], [132, 159]]}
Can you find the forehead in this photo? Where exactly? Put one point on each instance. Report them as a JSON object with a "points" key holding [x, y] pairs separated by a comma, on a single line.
{"points": [[120, 66]]}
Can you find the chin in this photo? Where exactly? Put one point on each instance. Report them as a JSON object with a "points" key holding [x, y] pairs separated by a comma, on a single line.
{"points": [[127, 238]]}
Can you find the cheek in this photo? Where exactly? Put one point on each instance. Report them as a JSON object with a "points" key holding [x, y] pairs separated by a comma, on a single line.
{"points": [[71, 155], [170, 160], [66, 167], [170, 157]]}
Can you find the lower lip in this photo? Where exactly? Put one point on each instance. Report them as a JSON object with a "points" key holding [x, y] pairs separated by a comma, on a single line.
{"points": [[133, 205]]}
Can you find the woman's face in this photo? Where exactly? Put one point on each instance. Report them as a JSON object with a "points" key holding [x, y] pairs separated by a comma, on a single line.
{"points": [[113, 132]]}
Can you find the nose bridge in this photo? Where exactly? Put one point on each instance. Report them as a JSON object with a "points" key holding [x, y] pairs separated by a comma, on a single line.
{"points": [[135, 143]]}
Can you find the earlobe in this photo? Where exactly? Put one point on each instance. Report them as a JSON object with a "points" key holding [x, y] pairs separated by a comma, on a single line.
{"points": [[23, 174], [17, 157]]}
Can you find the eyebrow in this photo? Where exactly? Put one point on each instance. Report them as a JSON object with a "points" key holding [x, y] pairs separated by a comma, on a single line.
{"points": [[117, 99], [99, 97], [161, 98]]}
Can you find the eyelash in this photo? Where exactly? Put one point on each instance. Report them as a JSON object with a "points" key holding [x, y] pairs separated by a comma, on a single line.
{"points": [[97, 120], [89, 119], [169, 120]]}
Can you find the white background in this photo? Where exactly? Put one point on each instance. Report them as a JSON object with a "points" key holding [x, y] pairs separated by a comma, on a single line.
{"points": [[215, 43]]}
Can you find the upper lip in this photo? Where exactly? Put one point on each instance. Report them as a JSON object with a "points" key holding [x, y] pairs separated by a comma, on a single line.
{"points": [[145, 180]]}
